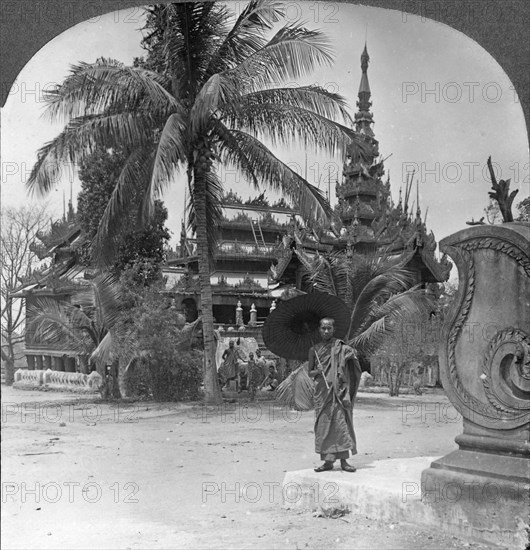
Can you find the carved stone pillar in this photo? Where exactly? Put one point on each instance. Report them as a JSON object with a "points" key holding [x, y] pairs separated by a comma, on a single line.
{"points": [[69, 364], [39, 361], [58, 364], [30, 359], [485, 371], [47, 362], [83, 364], [239, 314]]}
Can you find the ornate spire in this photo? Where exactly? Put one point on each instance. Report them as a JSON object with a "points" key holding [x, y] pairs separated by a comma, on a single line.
{"points": [[365, 58], [418, 209], [363, 117]]}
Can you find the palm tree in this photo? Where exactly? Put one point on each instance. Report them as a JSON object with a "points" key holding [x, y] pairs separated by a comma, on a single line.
{"points": [[380, 294], [86, 323], [208, 93]]}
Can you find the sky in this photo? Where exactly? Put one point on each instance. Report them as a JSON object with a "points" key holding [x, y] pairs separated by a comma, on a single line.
{"points": [[441, 106]]}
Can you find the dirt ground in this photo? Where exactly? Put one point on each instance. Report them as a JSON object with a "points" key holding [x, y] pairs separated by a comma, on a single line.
{"points": [[77, 473]]}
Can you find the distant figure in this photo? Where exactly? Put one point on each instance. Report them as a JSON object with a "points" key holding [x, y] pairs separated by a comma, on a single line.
{"points": [[229, 369], [254, 376], [271, 381], [262, 364], [417, 382], [366, 380], [242, 379]]}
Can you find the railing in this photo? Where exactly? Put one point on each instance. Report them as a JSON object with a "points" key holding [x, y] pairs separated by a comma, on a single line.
{"points": [[245, 250], [74, 381]]}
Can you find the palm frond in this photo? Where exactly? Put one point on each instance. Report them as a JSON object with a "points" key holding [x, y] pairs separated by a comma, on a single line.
{"points": [[247, 35], [192, 34], [297, 390], [280, 124], [310, 98], [378, 289], [107, 300], [262, 167], [293, 52], [104, 352], [389, 317], [170, 153], [92, 89], [81, 138], [52, 321], [330, 275]]}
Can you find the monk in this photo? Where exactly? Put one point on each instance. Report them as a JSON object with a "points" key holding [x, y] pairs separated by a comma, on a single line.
{"points": [[337, 373], [229, 369]]}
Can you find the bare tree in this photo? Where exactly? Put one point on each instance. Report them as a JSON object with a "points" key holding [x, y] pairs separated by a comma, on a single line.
{"points": [[501, 193], [18, 261]]}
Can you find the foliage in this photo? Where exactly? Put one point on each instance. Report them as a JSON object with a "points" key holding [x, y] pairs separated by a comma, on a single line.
{"points": [[165, 366], [493, 212], [98, 174], [524, 210], [85, 323], [409, 347], [142, 248], [19, 260], [207, 92], [379, 294], [381, 297], [166, 375]]}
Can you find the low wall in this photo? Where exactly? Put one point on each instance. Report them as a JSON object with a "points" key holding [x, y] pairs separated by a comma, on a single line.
{"points": [[71, 381]]}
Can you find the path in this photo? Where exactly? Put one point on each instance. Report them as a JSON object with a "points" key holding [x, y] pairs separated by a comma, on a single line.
{"points": [[182, 476]]}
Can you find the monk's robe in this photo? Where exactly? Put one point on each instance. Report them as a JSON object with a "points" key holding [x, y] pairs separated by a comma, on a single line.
{"points": [[230, 367], [334, 433]]}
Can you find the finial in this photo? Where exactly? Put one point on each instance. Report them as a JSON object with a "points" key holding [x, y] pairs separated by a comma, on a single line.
{"points": [[418, 209], [365, 58]]}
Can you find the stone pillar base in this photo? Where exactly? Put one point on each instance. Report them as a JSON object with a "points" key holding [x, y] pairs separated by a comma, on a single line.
{"points": [[486, 495]]}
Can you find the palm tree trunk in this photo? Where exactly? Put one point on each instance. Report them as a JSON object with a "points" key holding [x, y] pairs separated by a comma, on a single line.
{"points": [[211, 382]]}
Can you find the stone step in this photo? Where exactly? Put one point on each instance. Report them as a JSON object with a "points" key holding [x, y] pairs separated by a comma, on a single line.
{"points": [[389, 491]]}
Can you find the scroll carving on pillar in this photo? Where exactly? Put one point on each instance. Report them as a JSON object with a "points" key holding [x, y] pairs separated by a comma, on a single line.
{"points": [[485, 354]]}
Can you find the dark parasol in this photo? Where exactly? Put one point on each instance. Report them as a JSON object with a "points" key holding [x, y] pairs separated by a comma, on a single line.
{"points": [[292, 328]]}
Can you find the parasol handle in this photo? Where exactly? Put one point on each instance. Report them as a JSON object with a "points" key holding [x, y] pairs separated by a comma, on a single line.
{"points": [[323, 375]]}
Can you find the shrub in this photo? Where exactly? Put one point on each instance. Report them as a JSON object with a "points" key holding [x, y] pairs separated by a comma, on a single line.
{"points": [[166, 369], [171, 377]]}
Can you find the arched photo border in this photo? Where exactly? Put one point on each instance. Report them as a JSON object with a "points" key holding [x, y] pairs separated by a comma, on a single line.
{"points": [[501, 27]]}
